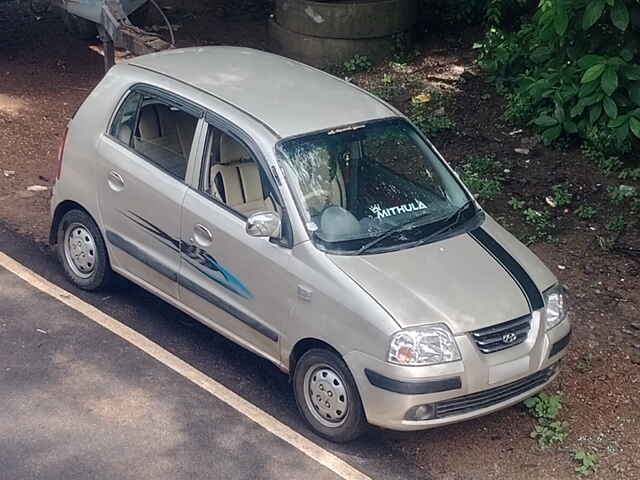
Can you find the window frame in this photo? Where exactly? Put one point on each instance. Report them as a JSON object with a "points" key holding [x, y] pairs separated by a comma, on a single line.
{"points": [[171, 100], [224, 126], [196, 159]]}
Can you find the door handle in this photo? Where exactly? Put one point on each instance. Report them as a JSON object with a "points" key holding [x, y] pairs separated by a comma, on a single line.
{"points": [[202, 235], [115, 181]]}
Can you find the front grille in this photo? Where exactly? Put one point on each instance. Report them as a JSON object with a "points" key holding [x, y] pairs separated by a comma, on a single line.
{"points": [[493, 396], [505, 335]]}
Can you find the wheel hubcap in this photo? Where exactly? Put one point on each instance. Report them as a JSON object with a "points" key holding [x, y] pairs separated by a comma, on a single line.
{"points": [[80, 250], [325, 395]]}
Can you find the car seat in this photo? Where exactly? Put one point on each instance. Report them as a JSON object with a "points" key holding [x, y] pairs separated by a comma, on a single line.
{"points": [[165, 136], [235, 179]]}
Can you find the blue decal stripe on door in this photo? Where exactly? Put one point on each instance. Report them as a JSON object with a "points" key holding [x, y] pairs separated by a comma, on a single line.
{"points": [[125, 245]]}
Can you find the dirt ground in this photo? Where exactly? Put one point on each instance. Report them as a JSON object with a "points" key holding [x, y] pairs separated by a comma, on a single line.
{"points": [[45, 75]]}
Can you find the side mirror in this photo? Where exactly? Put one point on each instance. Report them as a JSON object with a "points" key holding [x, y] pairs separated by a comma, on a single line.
{"points": [[264, 224]]}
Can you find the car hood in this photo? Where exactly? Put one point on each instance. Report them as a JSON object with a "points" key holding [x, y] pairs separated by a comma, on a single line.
{"points": [[469, 281]]}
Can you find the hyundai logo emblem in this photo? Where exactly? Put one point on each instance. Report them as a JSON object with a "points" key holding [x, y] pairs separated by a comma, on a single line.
{"points": [[509, 338]]}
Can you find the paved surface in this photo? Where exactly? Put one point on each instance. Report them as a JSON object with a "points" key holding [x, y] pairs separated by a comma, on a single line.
{"points": [[78, 402]]}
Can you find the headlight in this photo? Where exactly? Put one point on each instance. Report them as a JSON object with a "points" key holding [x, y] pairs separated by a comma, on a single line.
{"points": [[425, 345], [555, 300]]}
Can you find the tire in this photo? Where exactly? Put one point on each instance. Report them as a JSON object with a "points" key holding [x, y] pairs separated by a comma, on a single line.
{"points": [[80, 28], [322, 377], [82, 252]]}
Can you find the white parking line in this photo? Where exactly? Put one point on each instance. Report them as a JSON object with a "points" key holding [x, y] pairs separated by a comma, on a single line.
{"points": [[262, 418]]}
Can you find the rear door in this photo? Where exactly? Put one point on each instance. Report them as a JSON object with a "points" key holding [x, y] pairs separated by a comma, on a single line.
{"points": [[144, 160], [239, 283]]}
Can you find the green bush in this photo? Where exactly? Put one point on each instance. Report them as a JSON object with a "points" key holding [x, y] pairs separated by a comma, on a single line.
{"points": [[481, 175], [586, 462], [357, 64], [430, 122], [575, 64], [602, 148]]}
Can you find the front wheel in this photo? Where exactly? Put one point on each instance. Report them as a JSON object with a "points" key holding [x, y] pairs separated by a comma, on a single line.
{"points": [[327, 396], [82, 251]]}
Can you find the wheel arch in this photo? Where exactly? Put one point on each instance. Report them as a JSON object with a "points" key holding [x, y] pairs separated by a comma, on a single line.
{"points": [[60, 211], [304, 345]]}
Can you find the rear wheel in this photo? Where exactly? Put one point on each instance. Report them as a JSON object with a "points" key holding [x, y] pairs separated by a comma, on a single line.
{"points": [[327, 396], [82, 251]]}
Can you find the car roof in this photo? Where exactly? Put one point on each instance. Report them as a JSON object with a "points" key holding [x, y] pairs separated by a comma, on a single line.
{"points": [[289, 97]]}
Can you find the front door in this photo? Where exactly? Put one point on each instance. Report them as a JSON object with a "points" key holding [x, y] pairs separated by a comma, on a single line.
{"points": [[141, 178], [237, 282]]}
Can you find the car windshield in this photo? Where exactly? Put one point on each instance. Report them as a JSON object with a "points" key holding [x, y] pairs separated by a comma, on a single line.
{"points": [[377, 185]]}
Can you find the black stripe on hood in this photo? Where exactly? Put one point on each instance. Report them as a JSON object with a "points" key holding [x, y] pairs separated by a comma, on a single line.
{"points": [[511, 266]]}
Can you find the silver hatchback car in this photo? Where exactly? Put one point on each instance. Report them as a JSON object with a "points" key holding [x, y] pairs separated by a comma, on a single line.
{"points": [[313, 224]]}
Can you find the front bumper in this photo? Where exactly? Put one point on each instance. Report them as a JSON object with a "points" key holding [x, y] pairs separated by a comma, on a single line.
{"points": [[457, 391]]}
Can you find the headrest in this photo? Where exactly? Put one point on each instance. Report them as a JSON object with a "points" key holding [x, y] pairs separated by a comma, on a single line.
{"points": [[148, 124], [232, 151]]}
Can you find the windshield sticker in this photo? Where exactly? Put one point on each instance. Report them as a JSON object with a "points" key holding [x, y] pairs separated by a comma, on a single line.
{"points": [[414, 206]]}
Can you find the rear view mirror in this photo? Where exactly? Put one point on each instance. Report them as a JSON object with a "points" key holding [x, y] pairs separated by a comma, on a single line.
{"points": [[264, 224]]}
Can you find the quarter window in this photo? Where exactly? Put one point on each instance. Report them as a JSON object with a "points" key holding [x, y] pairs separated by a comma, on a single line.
{"points": [[125, 120]]}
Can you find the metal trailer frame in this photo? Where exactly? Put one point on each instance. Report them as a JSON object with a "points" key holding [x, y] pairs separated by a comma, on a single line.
{"points": [[114, 27]]}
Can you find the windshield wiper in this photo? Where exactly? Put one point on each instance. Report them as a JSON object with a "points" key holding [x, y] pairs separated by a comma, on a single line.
{"points": [[450, 224], [411, 224]]}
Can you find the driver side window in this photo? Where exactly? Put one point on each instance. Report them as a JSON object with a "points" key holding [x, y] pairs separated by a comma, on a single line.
{"points": [[232, 176]]}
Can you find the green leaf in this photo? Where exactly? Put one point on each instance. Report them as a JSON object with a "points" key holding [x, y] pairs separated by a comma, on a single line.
{"points": [[587, 89], [622, 133], [595, 112], [626, 54], [561, 19], [591, 99], [559, 113], [550, 134], [592, 13], [576, 110], [634, 93], [615, 61], [545, 121], [593, 73], [541, 54], [620, 15], [587, 61], [609, 81], [631, 72], [610, 107], [621, 99], [618, 121], [570, 126], [634, 124]]}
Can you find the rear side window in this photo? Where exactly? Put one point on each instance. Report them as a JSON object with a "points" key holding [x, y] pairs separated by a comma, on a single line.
{"points": [[159, 131]]}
